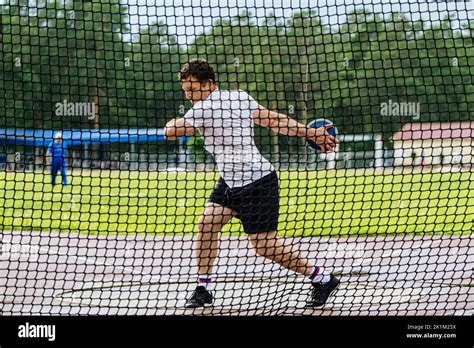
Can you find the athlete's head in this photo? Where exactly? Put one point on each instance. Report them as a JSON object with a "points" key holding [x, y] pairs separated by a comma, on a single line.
{"points": [[197, 80]]}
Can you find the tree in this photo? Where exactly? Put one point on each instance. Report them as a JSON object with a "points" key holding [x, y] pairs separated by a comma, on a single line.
{"points": [[81, 52]]}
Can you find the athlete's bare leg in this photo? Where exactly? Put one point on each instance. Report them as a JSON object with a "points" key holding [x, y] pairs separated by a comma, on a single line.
{"points": [[281, 251], [206, 246]]}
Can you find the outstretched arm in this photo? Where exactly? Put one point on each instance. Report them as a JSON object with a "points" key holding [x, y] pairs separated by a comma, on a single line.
{"points": [[178, 127], [283, 124]]}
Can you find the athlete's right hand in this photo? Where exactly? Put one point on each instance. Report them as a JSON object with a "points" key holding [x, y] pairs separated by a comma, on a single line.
{"points": [[178, 127]]}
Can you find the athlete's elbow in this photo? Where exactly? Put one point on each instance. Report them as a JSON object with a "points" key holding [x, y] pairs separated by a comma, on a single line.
{"points": [[263, 122], [273, 124], [267, 119]]}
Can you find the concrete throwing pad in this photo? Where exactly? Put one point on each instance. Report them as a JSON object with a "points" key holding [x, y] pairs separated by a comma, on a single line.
{"points": [[51, 273], [170, 296], [233, 296]]}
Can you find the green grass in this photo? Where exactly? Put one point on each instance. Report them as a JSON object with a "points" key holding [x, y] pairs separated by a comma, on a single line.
{"points": [[312, 203]]}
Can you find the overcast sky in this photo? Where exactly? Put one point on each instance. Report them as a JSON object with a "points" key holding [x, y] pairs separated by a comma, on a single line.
{"points": [[187, 18]]}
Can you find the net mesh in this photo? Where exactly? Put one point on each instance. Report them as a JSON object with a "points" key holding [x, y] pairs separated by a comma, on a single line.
{"points": [[389, 212]]}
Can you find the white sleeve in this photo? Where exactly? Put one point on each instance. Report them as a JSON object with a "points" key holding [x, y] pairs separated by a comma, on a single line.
{"points": [[195, 116], [200, 115]]}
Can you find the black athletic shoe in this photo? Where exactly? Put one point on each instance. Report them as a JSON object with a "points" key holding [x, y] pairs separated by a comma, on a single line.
{"points": [[321, 292], [199, 298]]}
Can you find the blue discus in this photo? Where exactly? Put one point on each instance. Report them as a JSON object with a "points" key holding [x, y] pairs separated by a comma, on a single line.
{"points": [[320, 122]]}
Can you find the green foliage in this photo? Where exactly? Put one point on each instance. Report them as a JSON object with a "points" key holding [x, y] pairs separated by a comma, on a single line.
{"points": [[81, 52]]}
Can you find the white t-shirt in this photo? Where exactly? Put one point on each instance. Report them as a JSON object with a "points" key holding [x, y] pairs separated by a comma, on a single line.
{"points": [[225, 121]]}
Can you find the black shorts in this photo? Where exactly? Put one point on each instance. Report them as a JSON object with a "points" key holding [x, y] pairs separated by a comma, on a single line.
{"points": [[257, 203]]}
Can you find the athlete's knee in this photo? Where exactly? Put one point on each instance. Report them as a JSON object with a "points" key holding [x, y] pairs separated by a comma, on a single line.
{"points": [[206, 224], [264, 243], [262, 250]]}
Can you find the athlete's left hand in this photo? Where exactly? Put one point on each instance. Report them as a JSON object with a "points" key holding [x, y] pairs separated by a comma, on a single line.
{"points": [[321, 137]]}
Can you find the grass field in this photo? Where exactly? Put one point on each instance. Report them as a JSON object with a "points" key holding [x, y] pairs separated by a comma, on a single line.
{"points": [[312, 203]]}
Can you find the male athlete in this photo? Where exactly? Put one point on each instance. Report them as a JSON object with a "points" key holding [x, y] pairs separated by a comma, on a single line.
{"points": [[248, 187], [56, 158]]}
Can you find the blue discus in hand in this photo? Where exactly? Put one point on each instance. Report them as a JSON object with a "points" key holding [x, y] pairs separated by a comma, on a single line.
{"points": [[320, 122]]}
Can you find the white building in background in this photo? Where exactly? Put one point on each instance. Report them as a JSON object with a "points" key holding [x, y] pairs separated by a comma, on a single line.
{"points": [[435, 143]]}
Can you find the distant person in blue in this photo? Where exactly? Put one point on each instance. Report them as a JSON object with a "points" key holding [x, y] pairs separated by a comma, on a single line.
{"points": [[56, 158]]}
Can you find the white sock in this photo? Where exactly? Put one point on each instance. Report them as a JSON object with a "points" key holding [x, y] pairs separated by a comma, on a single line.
{"points": [[205, 281], [319, 275]]}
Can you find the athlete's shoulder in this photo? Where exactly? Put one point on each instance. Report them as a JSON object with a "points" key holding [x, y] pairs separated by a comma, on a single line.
{"points": [[219, 96], [240, 94], [244, 97]]}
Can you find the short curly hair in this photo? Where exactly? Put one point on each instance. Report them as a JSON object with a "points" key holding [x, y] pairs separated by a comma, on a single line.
{"points": [[199, 68]]}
